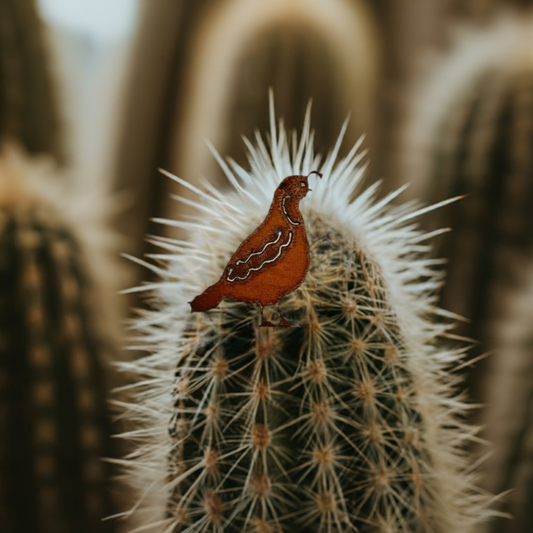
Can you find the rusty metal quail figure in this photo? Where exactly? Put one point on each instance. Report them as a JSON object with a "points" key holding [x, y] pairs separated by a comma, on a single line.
{"points": [[271, 262]]}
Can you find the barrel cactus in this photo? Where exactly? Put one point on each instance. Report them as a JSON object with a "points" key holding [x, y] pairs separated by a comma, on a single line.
{"points": [[350, 421], [55, 426]]}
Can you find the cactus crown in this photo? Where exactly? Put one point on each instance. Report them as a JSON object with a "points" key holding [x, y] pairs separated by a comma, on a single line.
{"points": [[348, 423]]}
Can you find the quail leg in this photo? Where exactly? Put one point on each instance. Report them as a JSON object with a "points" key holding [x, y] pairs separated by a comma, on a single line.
{"points": [[265, 323], [283, 322]]}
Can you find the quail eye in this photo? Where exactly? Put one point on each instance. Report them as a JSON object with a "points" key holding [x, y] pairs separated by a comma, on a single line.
{"points": [[302, 184]]}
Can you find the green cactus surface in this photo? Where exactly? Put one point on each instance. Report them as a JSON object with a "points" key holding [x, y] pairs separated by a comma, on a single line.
{"points": [[54, 422], [318, 427], [350, 421]]}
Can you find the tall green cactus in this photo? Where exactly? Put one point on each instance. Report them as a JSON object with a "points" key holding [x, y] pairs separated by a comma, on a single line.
{"points": [[55, 426], [28, 111], [349, 422]]}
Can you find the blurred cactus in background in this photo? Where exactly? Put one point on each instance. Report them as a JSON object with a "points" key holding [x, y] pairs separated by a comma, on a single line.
{"points": [[58, 327], [472, 133], [55, 426], [509, 412], [28, 110], [485, 151], [224, 57], [349, 422]]}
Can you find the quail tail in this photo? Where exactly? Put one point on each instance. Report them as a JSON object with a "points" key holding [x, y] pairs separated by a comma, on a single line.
{"points": [[210, 298]]}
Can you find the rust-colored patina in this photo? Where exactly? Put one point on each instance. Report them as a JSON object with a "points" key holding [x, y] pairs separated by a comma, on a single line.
{"points": [[272, 262]]}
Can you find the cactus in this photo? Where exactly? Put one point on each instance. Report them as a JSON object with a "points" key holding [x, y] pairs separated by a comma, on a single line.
{"points": [[28, 110], [485, 153], [478, 140], [509, 410], [55, 426], [349, 422], [476, 123]]}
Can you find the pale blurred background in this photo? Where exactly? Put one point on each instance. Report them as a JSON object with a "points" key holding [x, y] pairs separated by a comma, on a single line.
{"points": [[90, 43], [442, 89]]}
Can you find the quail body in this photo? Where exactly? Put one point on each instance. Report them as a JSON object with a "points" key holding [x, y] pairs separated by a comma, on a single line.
{"points": [[271, 262]]}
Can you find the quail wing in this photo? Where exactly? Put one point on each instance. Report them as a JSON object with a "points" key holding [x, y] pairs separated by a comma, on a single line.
{"points": [[260, 249]]}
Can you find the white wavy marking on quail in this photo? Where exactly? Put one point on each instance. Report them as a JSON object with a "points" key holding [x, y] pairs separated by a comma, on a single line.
{"points": [[241, 262], [284, 201], [241, 278]]}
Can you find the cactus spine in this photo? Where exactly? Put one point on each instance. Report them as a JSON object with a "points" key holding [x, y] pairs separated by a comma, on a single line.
{"points": [[55, 427], [346, 423]]}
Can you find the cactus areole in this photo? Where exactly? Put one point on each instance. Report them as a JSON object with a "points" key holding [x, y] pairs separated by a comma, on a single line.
{"points": [[346, 423]]}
